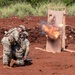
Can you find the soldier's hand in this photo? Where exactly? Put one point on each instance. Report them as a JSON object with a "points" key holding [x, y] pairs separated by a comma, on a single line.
{"points": [[25, 57]]}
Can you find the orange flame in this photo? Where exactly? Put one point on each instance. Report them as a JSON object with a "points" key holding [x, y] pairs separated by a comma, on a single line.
{"points": [[51, 31]]}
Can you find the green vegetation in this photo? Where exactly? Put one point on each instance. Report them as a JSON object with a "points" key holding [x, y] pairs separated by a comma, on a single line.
{"points": [[71, 10], [18, 9], [23, 8]]}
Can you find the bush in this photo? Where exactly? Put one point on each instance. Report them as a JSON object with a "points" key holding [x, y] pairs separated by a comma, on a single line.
{"points": [[25, 9], [19, 9], [71, 10]]}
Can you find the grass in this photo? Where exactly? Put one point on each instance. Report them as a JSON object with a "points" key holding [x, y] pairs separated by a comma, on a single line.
{"points": [[25, 9], [71, 10]]}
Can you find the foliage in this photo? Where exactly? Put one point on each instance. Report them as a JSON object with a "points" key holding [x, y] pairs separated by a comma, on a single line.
{"points": [[68, 2], [71, 10], [34, 2], [19, 9], [41, 9]]}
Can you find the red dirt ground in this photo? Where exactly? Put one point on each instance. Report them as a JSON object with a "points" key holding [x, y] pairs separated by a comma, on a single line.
{"points": [[43, 63]]}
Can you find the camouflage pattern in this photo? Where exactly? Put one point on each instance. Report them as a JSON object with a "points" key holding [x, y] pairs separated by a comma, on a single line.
{"points": [[21, 52], [23, 27], [6, 42], [19, 49], [24, 43], [14, 33], [6, 50], [20, 62], [25, 46]]}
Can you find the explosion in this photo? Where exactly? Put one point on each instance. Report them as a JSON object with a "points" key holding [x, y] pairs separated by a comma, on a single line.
{"points": [[52, 32]]}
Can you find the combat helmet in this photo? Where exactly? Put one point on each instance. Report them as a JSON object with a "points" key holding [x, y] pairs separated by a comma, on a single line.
{"points": [[23, 27]]}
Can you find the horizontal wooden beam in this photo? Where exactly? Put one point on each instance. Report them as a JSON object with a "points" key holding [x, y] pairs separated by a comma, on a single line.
{"points": [[68, 50]]}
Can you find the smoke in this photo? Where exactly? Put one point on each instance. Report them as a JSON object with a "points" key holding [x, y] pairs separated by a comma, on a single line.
{"points": [[41, 24]]}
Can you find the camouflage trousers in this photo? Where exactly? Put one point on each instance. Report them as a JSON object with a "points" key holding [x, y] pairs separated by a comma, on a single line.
{"points": [[18, 53], [22, 51], [20, 62], [6, 54], [6, 50], [9, 53], [6, 59]]}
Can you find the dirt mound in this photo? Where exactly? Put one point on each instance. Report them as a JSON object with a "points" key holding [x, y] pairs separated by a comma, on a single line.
{"points": [[35, 35], [70, 34]]}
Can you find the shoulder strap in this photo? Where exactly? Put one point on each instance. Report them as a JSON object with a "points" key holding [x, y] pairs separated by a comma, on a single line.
{"points": [[10, 31]]}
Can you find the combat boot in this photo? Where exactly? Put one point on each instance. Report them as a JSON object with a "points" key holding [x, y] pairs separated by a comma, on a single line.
{"points": [[12, 62], [6, 66]]}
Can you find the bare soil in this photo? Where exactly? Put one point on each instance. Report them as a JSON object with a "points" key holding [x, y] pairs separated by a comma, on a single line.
{"points": [[43, 63]]}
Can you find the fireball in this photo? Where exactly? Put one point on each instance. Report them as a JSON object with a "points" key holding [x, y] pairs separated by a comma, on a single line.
{"points": [[52, 32]]}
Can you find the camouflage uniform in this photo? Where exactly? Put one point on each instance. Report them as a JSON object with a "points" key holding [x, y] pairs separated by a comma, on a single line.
{"points": [[9, 38], [21, 50], [6, 50]]}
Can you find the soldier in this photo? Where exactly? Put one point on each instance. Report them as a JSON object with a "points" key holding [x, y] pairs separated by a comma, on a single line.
{"points": [[21, 50], [10, 37]]}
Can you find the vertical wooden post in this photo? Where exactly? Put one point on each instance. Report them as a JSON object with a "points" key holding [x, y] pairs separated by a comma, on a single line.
{"points": [[63, 31]]}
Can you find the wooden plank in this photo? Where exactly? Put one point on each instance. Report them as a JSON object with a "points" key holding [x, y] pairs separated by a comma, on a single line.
{"points": [[58, 44], [40, 48], [53, 46], [68, 50], [63, 32]]}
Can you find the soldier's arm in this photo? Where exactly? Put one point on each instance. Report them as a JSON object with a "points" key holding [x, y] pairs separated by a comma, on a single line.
{"points": [[16, 35], [27, 48], [27, 51]]}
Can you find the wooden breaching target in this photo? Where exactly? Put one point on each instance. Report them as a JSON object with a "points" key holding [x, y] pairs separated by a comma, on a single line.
{"points": [[56, 17]]}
